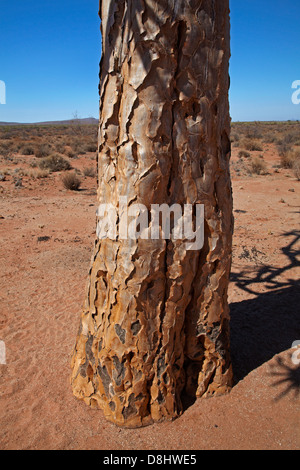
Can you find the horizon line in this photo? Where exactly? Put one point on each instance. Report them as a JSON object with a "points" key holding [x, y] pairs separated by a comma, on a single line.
{"points": [[92, 118]]}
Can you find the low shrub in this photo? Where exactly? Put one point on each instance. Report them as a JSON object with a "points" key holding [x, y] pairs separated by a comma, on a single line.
{"points": [[71, 154], [91, 147], [291, 137], [283, 148], [244, 154], [81, 148], [235, 138], [43, 150], [252, 146], [289, 159], [258, 166], [27, 150], [38, 174], [54, 163], [270, 138], [296, 168], [4, 150], [60, 147], [71, 181], [89, 171]]}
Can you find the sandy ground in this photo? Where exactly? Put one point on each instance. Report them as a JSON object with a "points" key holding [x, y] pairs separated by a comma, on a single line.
{"points": [[42, 289]]}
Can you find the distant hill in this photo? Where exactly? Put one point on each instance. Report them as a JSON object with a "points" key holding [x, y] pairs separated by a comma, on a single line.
{"points": [[67, 122]]}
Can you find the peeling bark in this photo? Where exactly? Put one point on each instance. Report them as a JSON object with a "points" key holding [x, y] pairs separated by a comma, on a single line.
{"points": [[155, 322]]}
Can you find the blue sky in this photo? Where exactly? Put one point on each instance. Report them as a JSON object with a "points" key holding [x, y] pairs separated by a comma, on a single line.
{"points": [[265, 59], [50, 52]]}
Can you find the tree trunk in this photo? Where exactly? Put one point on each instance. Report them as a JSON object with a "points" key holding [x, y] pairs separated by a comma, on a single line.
{"points": [[155, 323]]}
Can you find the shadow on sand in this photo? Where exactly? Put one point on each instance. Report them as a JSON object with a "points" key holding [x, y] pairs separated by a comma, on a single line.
{"points": [[270, 322]]}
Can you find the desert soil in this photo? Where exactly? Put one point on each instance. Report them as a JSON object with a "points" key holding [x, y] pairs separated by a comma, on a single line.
{"points": [[47, 235]]}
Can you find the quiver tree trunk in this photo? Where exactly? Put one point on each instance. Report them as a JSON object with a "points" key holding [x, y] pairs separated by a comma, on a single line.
{"points": [[155, 322]]}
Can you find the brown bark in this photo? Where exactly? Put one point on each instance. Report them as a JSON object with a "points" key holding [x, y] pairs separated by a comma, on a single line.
{"points": [[155, 322]]}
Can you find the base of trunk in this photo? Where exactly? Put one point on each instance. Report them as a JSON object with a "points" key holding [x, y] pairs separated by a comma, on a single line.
{"points": [[156, 320]]}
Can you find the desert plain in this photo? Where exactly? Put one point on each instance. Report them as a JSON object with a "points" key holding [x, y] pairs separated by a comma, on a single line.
{"points": [[48, 183]]}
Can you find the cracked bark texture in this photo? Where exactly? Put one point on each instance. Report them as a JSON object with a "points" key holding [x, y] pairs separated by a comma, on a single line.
{"points": [[155, 323]]}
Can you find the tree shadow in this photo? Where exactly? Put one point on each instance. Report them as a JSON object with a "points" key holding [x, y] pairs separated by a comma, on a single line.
{"points": [[267, 324], [287, 375]]}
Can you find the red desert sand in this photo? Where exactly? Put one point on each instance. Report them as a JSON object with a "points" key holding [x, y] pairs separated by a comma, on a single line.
{"points": [[47, 235]]}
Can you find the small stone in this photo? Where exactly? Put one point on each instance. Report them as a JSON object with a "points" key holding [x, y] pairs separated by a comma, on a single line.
{"points": [[18, 182], [43, 239]]}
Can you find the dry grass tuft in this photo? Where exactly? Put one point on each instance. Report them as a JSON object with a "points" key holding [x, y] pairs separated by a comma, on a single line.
{"points": [[71, 181], [54, 163], [252, 145], [89, 171], [289, 159], [42, 150], [258, 166], [244, 154]]}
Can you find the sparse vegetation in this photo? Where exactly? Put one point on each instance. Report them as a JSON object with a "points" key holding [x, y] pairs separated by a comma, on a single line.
{"points": [[54, 163], [4, 149], [43, 150], [41, 141], [89, 171], [291, 160], [258, 166], [269, 138], [27, 150], [71, 181], [71, 154], [283, 148], [46, 149], [296, 168], [287, 132], [54, 148], [252, 146], [91, 147], [244, 154], [38, 174]]}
